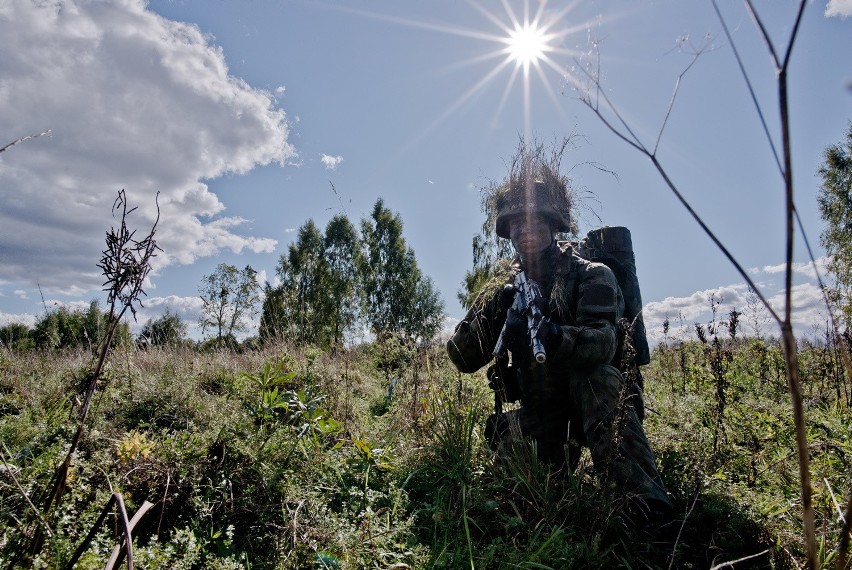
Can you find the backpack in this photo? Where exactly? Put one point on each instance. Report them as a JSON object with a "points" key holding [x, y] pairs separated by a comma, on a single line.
{"points": [[613, 246]]}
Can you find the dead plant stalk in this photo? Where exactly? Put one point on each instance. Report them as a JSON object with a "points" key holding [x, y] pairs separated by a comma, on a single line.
{"points": [[623, 131], [125, 263]]}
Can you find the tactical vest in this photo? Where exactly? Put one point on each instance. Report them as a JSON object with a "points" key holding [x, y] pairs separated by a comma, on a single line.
{"points": [[613, 247]]}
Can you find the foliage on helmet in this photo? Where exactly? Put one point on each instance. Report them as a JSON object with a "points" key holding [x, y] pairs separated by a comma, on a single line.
{"points": [[535, 184]]}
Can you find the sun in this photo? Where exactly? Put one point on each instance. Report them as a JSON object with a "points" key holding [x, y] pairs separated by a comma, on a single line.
{"points": [[528, 44], [529, 39]]}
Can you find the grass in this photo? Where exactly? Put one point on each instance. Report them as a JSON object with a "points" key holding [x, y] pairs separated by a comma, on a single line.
{"points": [[289, 457]]}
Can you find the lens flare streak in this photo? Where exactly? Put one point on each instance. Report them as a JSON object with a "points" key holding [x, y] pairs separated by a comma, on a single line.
{"points": [[522, 42]]}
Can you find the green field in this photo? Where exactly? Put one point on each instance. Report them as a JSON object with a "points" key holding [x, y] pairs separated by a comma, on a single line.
{"points": [[294, 458]]}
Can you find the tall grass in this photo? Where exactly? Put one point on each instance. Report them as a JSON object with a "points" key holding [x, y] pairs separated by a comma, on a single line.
{"points": [[248, 463]]}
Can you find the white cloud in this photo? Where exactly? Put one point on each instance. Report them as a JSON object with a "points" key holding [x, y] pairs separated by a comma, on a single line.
{"points": [[331, 162], [133, 101], [448, 328], [187, 308], [809, 311], [693, 306], [21, 294], [21, 318], [842, 8], [805, 268]]}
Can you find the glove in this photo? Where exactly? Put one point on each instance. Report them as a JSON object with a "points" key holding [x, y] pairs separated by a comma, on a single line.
{"points": [[550, 335], [500, 303], [507, 297], [517, 332]]}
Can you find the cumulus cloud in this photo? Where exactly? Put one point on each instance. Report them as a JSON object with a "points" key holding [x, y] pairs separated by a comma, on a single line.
{"points": [[331, 162], [842, 8], [809, 312], [691, 307], [23, 319], [448, 328], [187, 308], [805, 268], [133, 101]]}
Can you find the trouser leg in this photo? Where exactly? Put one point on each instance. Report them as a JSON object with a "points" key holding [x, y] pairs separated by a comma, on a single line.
{"points": [[616, 440], [555, 443]]}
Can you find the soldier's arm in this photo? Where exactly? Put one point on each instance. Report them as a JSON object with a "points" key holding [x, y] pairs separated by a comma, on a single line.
{"points": [[472, 343], [599, 306]]}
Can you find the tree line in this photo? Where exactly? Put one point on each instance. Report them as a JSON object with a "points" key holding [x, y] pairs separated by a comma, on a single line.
{"points": [[332, 286]]}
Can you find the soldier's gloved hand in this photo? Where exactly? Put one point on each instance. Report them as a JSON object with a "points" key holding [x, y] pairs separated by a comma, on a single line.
{"points": [[507, 297], [500, 303], [517, 332], [550, 335]]}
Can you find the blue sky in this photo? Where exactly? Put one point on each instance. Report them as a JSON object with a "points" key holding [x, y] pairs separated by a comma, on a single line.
{"points": [[251, 117]]}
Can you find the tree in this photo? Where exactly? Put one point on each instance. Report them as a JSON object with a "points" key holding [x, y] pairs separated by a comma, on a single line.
{"points": [[66, 328], [16, 336], [316, 300], [167, 330], [273, 313], [229, 297], [341, 255], [293, 310], [396, 297], [835, 206]]}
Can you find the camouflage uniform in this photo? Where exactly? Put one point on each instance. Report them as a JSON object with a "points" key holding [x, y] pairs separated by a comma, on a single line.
{"points": [[573, 398]]}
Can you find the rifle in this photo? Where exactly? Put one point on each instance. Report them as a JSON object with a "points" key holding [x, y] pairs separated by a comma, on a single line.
{"points": [[526, 302]]}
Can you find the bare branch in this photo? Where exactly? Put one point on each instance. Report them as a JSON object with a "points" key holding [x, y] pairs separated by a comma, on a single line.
{"points": [[46, 133], [750, 88], [789, 340], [128, 532], [125, 264], [633, 141], [759, 24], [793, 34], [713, 237], [674, 96]]}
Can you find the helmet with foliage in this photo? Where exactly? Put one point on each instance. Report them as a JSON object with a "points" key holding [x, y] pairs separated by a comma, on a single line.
{"points": [[548, 197]]}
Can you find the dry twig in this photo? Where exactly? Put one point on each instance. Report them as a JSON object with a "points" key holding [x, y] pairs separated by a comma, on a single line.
{"points": [[623, 131]]}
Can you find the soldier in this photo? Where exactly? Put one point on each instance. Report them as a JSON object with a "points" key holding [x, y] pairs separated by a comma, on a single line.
{"points": [[576, 397]]}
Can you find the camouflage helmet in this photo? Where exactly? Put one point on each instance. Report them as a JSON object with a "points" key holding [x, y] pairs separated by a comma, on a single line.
{"points": [[548, 199]]}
